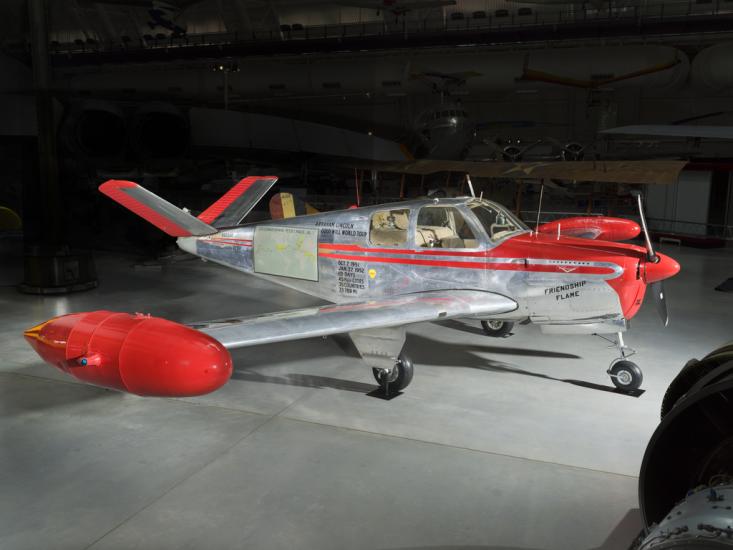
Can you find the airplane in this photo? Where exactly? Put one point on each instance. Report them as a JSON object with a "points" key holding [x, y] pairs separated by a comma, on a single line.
{"points": [[382, 268], [162, 14]]}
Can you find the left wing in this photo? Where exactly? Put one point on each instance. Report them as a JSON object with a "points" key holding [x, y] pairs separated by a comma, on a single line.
{"points": [[336, 319]]}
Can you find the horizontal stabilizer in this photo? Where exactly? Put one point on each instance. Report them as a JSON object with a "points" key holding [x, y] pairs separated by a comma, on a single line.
{"points": [[159, 212], [236, 203]]}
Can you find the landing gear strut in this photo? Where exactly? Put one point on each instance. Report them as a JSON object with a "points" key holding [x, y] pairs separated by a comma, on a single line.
{"points": [[397, 378], [625, 375]]}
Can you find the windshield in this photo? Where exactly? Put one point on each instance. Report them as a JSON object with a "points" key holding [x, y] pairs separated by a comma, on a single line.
{"points": [[496, 220]]}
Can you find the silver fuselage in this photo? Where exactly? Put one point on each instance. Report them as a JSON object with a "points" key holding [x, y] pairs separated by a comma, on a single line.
{"points": [[350, 268]]}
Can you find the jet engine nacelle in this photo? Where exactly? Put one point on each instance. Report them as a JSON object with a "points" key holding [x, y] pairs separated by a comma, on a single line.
{"points": [[96, 130], [593, 227], [136, 353]]}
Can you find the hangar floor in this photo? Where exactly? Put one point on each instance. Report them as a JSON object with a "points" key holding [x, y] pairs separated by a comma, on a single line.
{"points": [[516, 443]]}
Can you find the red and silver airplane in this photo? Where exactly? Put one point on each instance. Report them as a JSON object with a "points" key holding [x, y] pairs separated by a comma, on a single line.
{"points": [[382, 268]]}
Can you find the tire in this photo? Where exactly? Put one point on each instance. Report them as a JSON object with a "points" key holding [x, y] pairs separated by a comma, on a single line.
{"points": [[693, 371], [626, 375], [402, 375], [497, 329]]}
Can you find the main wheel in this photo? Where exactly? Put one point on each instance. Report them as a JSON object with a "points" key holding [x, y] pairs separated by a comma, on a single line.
{"points": [[399, 377], [497, 329], [626, 375]]}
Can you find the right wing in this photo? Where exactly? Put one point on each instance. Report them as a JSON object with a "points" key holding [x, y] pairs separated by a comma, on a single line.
{"points": [[337, 319]]}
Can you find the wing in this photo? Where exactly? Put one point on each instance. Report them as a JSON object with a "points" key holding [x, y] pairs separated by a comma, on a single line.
{"points": [[612, 171], [336, 319], [674, 130]]}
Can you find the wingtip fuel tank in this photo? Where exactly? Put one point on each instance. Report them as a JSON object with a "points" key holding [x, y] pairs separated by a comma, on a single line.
{"points": [[136, 353]]}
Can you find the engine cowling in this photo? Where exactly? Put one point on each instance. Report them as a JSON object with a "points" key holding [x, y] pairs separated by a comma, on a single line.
{"points": [[137, 353], [603, 228]]}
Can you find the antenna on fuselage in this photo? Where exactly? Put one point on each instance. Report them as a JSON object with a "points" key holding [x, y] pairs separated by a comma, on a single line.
{"points": [[470, 185], [539, 207]]}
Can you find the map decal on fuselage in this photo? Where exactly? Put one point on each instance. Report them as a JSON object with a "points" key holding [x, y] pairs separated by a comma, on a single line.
{"points": [[286, 252]]}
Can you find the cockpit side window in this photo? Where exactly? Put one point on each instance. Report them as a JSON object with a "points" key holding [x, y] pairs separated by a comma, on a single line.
{"points": [[443, 227], [389, 227], [497, 223]]}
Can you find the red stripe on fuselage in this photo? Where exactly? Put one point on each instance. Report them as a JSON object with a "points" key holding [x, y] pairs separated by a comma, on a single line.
{"points": [[508, 266], [428, 252], [367, 255]]}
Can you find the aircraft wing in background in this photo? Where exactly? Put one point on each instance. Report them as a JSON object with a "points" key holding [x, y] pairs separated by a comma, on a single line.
{"points": [[395, 5], [611, 171], [674, 130]]}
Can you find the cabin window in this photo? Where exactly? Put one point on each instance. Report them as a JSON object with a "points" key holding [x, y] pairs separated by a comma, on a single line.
{"points": [[389, 227], [443, 227]]}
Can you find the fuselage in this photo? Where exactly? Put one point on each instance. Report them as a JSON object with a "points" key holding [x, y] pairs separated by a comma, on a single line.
{"points": [[402, 248]]}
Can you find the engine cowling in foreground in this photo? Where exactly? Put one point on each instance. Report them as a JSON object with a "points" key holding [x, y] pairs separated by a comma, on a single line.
{"points": [[136, 353]]}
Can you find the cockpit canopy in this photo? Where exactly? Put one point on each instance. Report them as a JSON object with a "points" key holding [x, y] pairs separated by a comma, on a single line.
{"points": [[444, 225]]}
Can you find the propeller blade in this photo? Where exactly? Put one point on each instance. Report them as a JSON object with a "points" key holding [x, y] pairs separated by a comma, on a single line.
{"points": [[650, 255], [660, 300]]}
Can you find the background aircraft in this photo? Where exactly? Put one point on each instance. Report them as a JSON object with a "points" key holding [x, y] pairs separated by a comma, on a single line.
{"points": [[163, 15]]}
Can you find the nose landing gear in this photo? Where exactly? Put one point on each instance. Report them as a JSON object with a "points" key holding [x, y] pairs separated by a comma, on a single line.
{"points": [[625, 375]]}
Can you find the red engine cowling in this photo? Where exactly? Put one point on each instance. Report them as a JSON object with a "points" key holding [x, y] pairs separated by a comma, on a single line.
{"points": [[137, 353], [593, 227]]}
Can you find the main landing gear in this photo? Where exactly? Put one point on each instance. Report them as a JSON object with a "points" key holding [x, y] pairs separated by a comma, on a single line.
{"points": [[397, 378], [497, 329], [625, 375]]}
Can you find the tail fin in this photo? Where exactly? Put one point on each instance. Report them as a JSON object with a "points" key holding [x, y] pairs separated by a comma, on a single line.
{"points": [[159, 212], [285, 205], [236, 203]]}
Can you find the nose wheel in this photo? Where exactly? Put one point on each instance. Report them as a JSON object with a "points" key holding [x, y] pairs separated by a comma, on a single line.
{"points": [[397, 378], [625, 375]]}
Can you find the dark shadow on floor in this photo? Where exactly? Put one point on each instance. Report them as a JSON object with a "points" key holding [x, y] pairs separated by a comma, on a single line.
{"points": [[505, 350], [305, 381], [430, 352], [498, 367]]}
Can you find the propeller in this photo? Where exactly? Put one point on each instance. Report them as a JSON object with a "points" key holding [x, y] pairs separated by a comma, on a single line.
{"points": [[657, 287]]}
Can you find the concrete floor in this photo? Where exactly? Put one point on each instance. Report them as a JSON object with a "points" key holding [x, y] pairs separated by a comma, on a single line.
{"points": [[516, 443]]}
